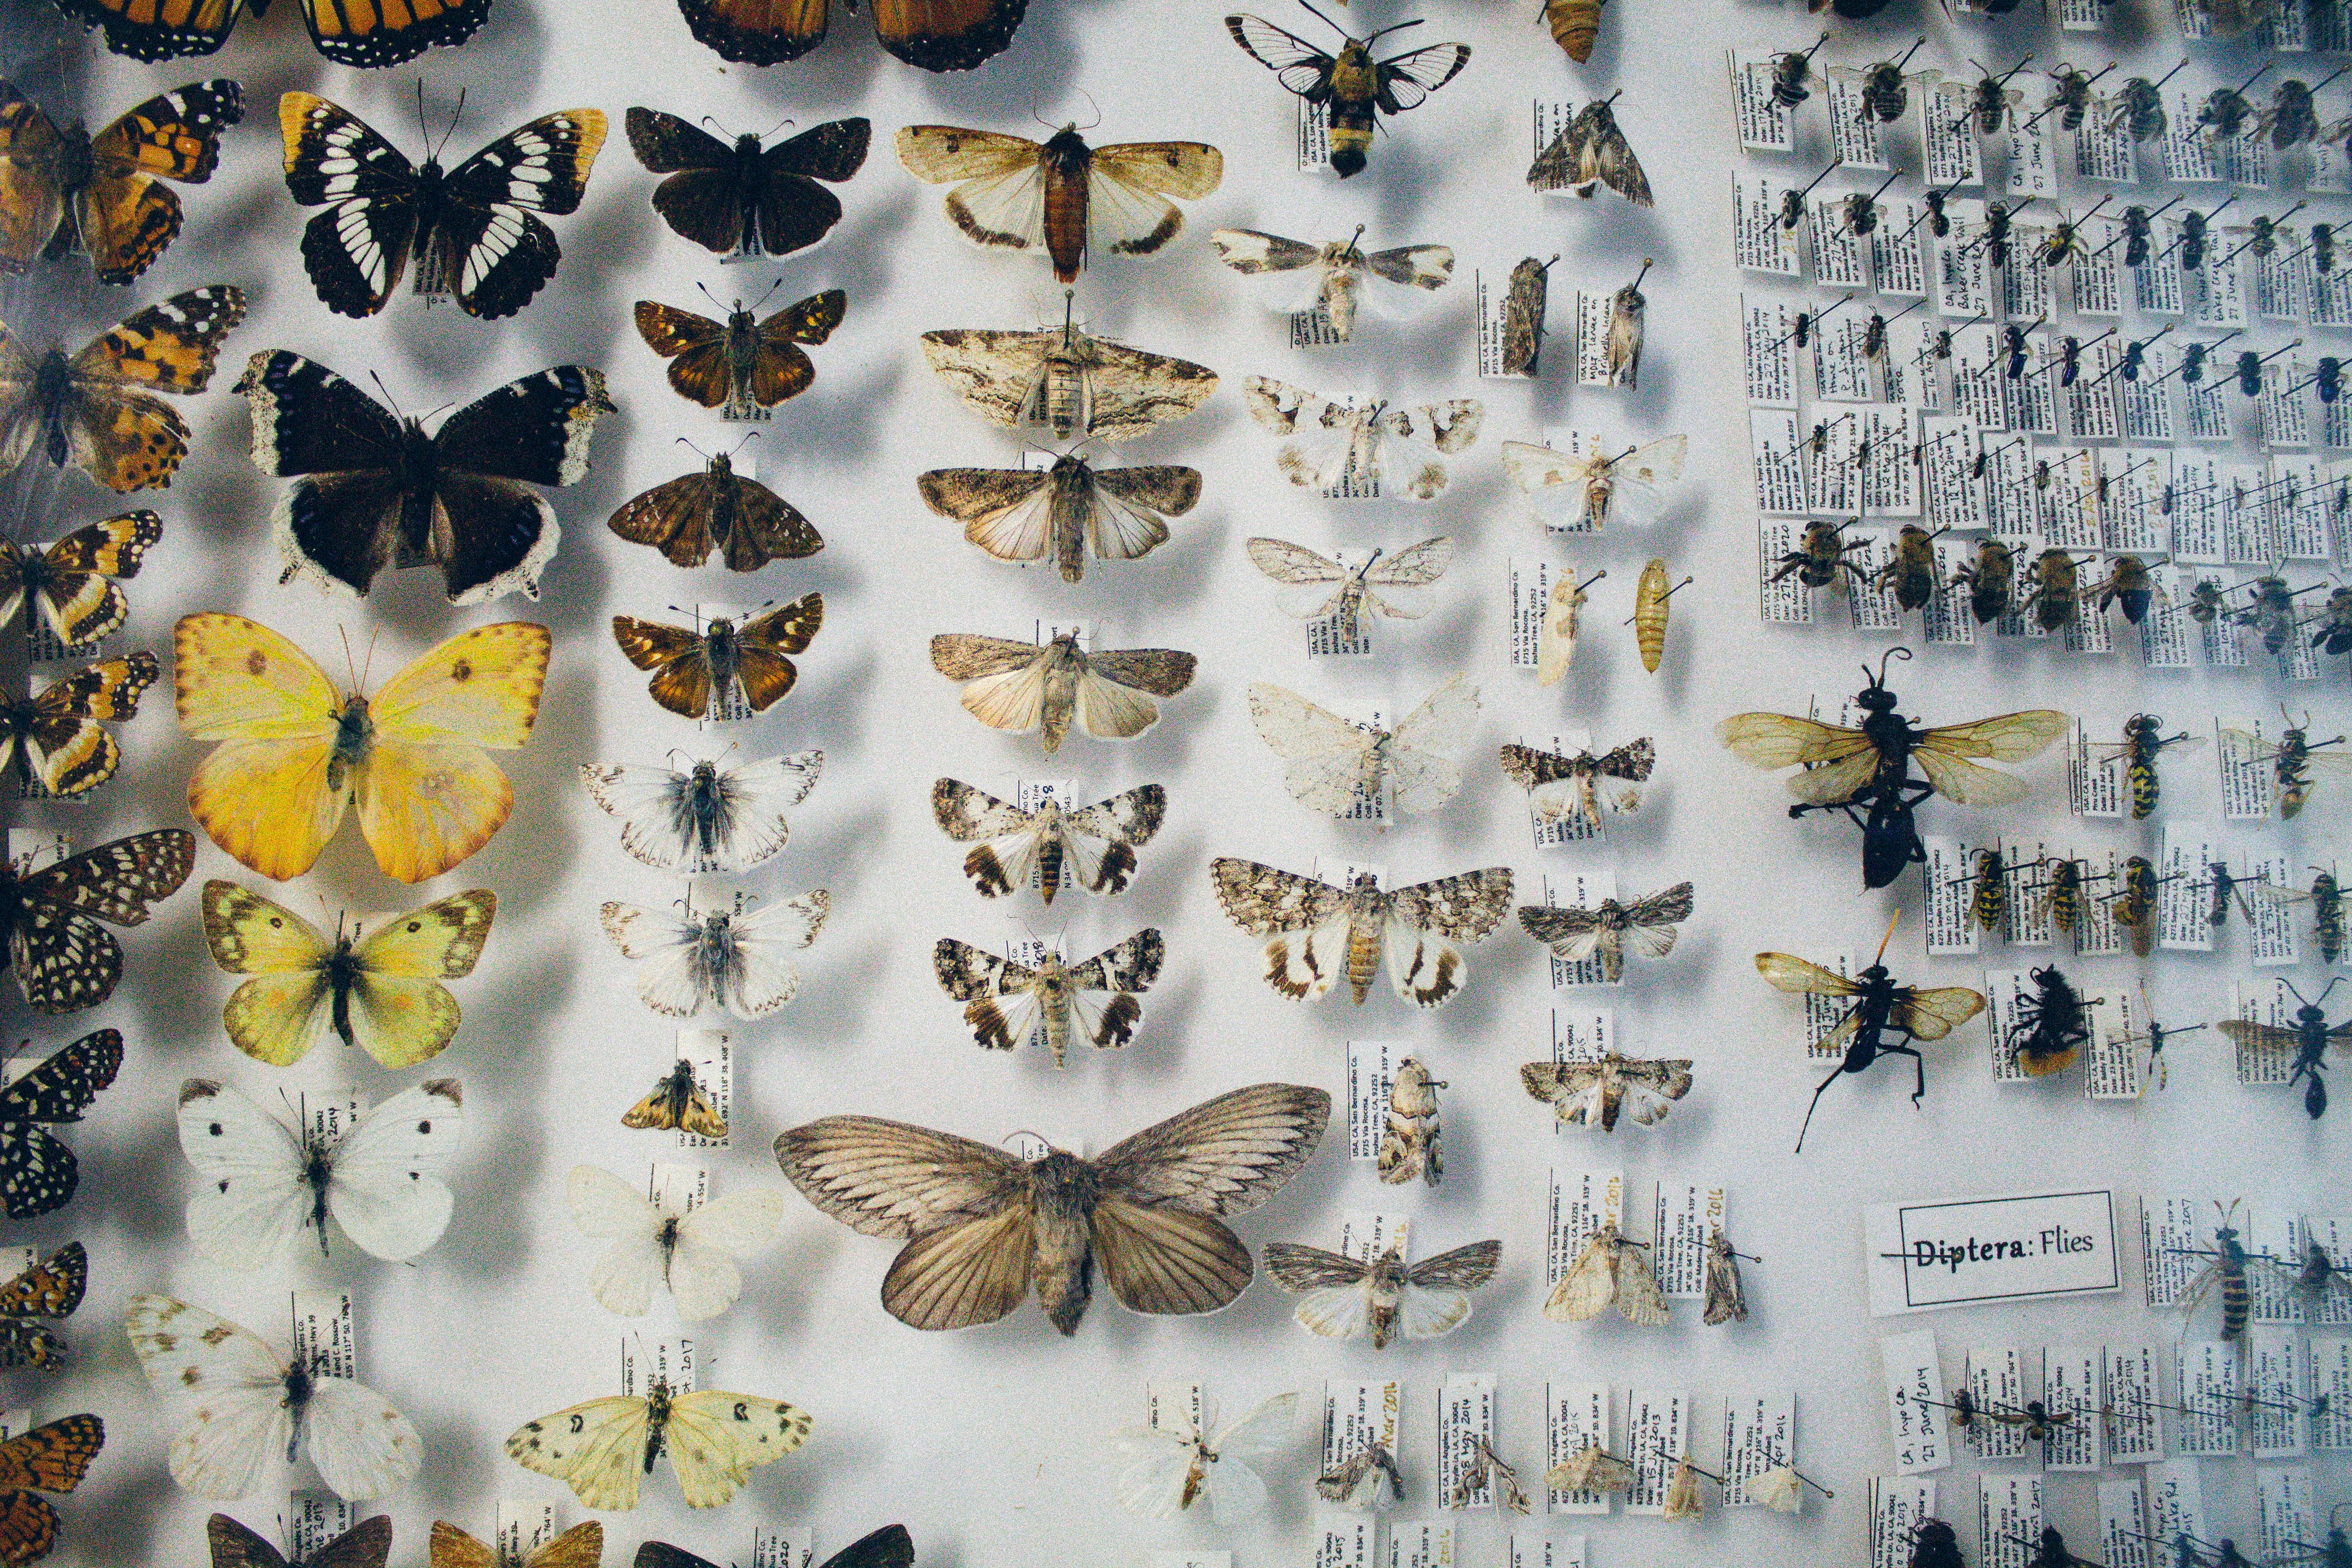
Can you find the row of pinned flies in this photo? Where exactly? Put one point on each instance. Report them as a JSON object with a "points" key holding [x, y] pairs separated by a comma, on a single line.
{"points": [[1935, 1544], [1866, 774]]}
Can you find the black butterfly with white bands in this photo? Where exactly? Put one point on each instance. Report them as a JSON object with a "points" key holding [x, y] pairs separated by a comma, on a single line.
{"points": [[473, 230], [37, 1173], [371, 489], [63, 959]]}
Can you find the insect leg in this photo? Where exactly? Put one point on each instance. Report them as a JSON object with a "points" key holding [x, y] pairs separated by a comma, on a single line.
{"points": [[1816, 1105]]}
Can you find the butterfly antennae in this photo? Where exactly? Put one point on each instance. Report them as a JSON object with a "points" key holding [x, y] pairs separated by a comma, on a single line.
{"points": [[455, 115], [763, 299], [390, 401], [348, 666], [1330, 23], [1092, 105], [1384, 32], [780, 124], [748, 436], [713, 297], [712, 120], [693, 448], [367, 660]]}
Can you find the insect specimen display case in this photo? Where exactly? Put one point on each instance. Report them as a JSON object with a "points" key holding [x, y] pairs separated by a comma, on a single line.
{"points": [[1066, 831]]}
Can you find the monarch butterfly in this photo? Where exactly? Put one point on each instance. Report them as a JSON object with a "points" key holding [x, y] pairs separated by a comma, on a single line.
{"points": [[364, 33]]}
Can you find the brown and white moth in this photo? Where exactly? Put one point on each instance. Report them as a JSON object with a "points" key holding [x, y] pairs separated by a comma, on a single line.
{"points": [[1609, 1272], [1411, 1147], [1061, 380], [1556, 638], [1330, 278], [1590, 1468], [1523, 316], [1340, 1297], [1590, 152], [1575, 933], [1726, 1298], [1074, 200], [1332, 440], [1628, 308], [1316, 586], [980, 1223], [1365, 1481], [1599, 488], [1021, 687], [1347, 928], [1024, 515], [1560, 785], [1095, 844], [1486, 1467], [1593, 1094], [1009, 1004]]}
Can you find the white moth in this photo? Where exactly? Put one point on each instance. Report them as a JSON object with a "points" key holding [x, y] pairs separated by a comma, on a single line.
{"points": [[1316, 587], [253, 1410], [1167, 1470], [1609, 1272], [1334, 763], [691, 1251], [264, 1185], [1590, 1468], [1340, 1297], [1394, 452], [602, 1447], [706, 819], [735, 959], [1295, 278], [1556, 640], [1598, 488]]}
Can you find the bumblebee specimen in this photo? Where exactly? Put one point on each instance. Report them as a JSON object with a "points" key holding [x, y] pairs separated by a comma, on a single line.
{"points": [[1910, 571], [1411, 1147], [2130, 584], [1992, 579], [1351, 86], [2144, 739], [1881, 1008], [2053, 1026], [1820, 552], [2134, 907], [2057, 592], [1868, 770], [2308, 1038]]}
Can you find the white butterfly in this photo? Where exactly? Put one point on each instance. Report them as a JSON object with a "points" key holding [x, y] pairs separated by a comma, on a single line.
{"points": [[732, 959], [714, 1440], [1598, 488], [1334, 441], [1335, 763], [252, 1407], [1293, 277], [264, 1186], [692, 1251], [1166, 1469], [710, 819], [1316, 587]]}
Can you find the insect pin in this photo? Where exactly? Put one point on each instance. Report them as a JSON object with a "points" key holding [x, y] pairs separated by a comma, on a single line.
{"points": [[1885, 91], [2308, 1038], [1649, 617], [1992, 99], [1861, 212], [2195, 232], [2292, 119], [2226, 110], [2139, 108], [2136, 233], [2156, 1069], [2262, 238], [1792, 74], [1880, 1009]]}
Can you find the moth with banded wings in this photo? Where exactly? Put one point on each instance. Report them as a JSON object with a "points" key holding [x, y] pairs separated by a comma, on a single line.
{"points": [[980, 1223], [707, 819], [1725, 1298], [1334, 764], [1091, 846], [1063, 514], [1596, 1093], [1608, 1271], [1316, 587], [1629, 311], [1567, 786], [52, 1287], [1587, 487], [1328, 280], [1061, 379], [1341, 1296], [1575, 933], [1484, 1472], [1349, 87], [1344, 447], [1346, 928], [1079, 202], [1590, 152], [72, 581], [1020, 686], [1166, 1468], [1050, 1000], [581, 1546], [725, 956]]}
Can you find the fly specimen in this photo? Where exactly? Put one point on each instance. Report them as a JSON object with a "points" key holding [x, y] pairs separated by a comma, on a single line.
{"points": [[1880, 1009], [2156, 1070], [1868, 770], [2143, 742], [2293, 760], [2307, 1038], [2135, 907], [1349, 87]]}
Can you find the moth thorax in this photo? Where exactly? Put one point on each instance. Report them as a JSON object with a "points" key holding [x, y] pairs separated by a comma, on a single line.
{"points": [[298, 1387], [1063, 1184], [1065, 154], [747, 154], [74, 167], [657, 1421], [354, 737], [666, 1237], [1388, 1274]]}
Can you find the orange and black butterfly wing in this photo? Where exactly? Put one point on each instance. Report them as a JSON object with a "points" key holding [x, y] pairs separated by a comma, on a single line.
{"points": [[113, 425], [373, 33], [32, 190], [52, 1287], [125, 214], [696, 347], [65, 741], [679, 658], [780, 370], [947, 34], [52, 1457], [159, 29], [78, 599], [757, 32], [761, 665], [28, 1528]]}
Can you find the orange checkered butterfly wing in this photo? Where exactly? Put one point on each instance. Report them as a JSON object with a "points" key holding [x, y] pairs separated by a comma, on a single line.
{"points": [[124, 216], [97, 409], [72, 580], [57, 737], [381, 32], [51, 1288], [52, 1457]]}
